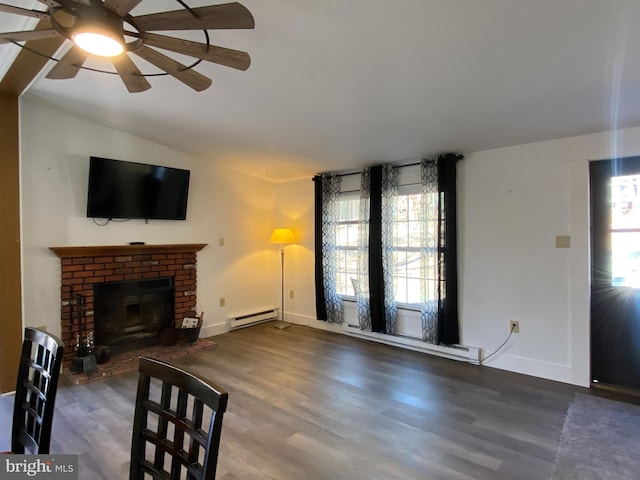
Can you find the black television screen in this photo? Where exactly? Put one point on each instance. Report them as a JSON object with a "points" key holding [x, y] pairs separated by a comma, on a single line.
{"points": [[120, 189]]}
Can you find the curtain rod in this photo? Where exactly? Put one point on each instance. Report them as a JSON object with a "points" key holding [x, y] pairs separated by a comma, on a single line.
{"points": [[409, 163]]}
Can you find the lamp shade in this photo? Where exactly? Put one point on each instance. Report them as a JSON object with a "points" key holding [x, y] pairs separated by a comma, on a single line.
{"points": [[282, 236]]}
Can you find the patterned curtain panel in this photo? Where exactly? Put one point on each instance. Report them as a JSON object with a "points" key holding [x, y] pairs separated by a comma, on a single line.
{"points": [[330, 196], [429, 243], [389, 209], [361, 283]]}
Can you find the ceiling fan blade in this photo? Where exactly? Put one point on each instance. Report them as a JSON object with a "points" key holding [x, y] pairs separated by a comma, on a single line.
{"points": [[24, 11], [69, 65], [220, 55], [225, 16], [177, 70], [131, 76], [23, 36], [121, 7], [57, 4]]}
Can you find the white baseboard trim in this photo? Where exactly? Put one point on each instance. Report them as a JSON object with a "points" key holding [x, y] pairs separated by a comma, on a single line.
{"points": [[212, 330], [536, 368]]}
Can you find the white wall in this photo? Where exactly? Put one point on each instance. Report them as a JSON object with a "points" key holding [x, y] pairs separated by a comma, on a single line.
{"points": [[512, 203], [295, 204], [55, 150]]}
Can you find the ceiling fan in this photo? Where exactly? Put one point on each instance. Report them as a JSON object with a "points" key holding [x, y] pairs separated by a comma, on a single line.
{"points": [[106, 28]]}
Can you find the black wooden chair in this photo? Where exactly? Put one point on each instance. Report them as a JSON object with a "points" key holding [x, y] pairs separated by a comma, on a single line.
{"points": [[38, 373], [177, 424]]}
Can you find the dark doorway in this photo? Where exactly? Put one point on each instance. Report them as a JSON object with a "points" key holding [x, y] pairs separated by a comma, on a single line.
{"points": [[615, 272]]}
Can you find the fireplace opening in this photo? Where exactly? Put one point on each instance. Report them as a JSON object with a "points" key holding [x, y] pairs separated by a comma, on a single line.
{"points": [[131, 313]]}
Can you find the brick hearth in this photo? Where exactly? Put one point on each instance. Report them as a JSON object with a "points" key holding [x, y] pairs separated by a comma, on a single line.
{"points": [[82, 267], [128, 361]]}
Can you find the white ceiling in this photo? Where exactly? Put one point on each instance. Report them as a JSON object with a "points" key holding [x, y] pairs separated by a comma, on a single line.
{"points": [[337, 84]]}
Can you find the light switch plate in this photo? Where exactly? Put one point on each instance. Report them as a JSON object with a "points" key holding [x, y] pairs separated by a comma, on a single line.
{"points": [[563, 241]]}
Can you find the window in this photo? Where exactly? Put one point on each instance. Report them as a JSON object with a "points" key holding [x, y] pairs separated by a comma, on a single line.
{"points": [[625, 231], [389, 246], [411, 236], [347, 234], [407, 244], [407, 238]]}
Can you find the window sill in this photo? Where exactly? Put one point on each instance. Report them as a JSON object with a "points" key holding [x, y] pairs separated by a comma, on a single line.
{"points": [[401, 306]]}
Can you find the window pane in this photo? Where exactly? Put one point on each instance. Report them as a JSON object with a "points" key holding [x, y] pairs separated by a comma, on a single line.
{"points": [[432, 232], [413, 290], [402, 214], [353, 235], [342, 283], [400, 258], [347, 235], [342, 235], [348, 209], [413, 264], [431, 267], [352, 262], [624, 202], [625, 259], [401, 289], [414, 234], [415, 206], [431, 206], [401, 234]]}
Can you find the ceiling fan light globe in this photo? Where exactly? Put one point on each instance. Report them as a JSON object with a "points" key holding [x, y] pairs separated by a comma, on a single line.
{"points": [[98, 44]]}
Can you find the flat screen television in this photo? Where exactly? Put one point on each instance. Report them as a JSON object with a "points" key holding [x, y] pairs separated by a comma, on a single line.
{"points": [[120, 189]]}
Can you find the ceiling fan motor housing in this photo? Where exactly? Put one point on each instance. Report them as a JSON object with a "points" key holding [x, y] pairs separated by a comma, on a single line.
{"points": [[101, 21]]}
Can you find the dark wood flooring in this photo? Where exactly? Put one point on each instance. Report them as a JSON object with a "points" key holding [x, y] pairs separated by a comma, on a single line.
{"points": [[307, 404]]}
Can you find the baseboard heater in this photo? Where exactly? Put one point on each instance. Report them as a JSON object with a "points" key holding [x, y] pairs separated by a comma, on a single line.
{"points": [[462, 353], [246, 319]]}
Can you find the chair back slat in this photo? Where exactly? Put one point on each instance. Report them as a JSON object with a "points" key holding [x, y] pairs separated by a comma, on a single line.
{"points": [[172, 437], [36, 388]]}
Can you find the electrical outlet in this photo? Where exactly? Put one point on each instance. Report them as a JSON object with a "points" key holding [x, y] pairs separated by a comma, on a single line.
{"points": [[514, 326], [222, 302], [221, 242], [290, 293]]}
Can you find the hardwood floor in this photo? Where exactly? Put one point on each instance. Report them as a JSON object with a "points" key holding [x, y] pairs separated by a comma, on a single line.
{"points": [[306, 404]]}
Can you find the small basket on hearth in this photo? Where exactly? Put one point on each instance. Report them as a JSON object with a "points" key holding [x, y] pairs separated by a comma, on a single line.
{"points": [[190, 329]]}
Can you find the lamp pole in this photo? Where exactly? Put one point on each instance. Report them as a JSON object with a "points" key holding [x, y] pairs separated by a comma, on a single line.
{"points": [[282, 236], [282, 323]]}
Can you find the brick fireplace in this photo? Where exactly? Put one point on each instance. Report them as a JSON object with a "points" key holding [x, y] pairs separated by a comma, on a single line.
{"points": [[84, 267]]}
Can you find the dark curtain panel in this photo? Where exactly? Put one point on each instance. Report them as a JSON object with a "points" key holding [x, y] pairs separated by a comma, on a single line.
{"points": [[376, 275], [321, 304], [448, 329]]}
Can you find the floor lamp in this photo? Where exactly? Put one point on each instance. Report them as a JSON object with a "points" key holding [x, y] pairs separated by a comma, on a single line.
{"points": [[282, 236]]}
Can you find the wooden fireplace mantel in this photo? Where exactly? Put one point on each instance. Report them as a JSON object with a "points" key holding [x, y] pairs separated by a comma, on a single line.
{"points": [[95, 251]]}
